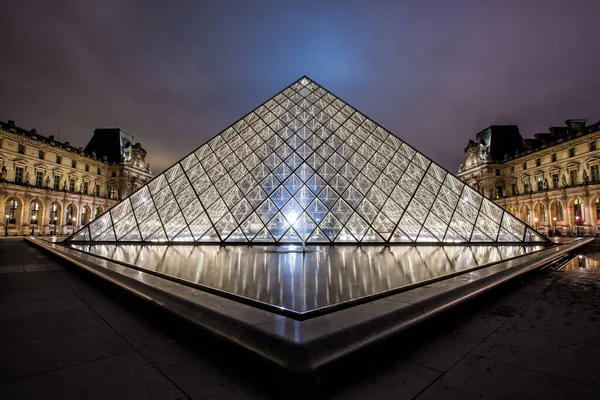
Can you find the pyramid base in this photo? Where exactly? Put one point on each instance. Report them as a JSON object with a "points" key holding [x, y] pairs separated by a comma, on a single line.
{"points": [[304, 346]]}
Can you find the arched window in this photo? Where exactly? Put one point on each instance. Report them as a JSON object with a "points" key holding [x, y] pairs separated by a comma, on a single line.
{"points": [[578, 210], [35, 209], [113, 194], [558, 211], [542, 213], [84, 216], [12, 208], [69, 219], [97, 212], [53, 214]]}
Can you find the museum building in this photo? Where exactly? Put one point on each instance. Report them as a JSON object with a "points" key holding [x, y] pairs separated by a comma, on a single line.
{"points": [[47, 186], [551, 181]]}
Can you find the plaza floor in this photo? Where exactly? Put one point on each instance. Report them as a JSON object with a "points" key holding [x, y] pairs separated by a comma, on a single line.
{"points": [[66, 334]]}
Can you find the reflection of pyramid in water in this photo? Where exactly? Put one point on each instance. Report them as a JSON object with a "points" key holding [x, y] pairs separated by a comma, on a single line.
{"points": [[305, 166]]}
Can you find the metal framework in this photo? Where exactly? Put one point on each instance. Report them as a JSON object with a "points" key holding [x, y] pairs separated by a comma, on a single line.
{"points": [[305, 167]]}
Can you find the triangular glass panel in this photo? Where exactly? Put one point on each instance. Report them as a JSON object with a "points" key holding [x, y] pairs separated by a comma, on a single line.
{"points": [[328, 168], [317, 236]]}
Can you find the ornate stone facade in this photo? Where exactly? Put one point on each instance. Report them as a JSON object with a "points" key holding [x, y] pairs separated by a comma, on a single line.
{"points": [[47, 186], [551, 182]]}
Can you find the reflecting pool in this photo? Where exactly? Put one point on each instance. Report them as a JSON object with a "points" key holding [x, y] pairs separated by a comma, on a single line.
{"points": [[286, 278]]}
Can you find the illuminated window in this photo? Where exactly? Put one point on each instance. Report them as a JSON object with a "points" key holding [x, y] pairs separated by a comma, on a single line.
{"points": [[35, 209], [13, 207], [53, 214]]}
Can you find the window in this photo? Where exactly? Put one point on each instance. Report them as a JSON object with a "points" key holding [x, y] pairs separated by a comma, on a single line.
{"points": [[525, 186], [85, 187], [595, 173], [98, 170], [553, 157], [538, 162], [113, 174], [572, 152], [87, 168], [573, 174], [71, 185], [512, 169], [41, 154], [13, 207], [56, 185], [58, 159], [558, 211], [593, 146], [21, 149], [39, 178], [540, 183], [497, 172], [113, 192], [97, 190], [499, 192], [69, 219], [74, 164], [515, 190], [84, 216], [578, 209], [554, 181], [542, 213], [35, 209], [524, 166], [18, 175], [97, 212], [53, 214]]}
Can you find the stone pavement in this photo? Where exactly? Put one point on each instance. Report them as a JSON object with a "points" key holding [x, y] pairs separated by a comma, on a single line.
{"points": [[66, 334]]}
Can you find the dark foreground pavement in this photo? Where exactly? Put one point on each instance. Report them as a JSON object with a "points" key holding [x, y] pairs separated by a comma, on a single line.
{"points": [[66, 335]]}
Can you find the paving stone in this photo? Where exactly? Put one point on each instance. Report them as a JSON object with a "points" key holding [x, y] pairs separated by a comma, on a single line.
{"points": [[559, 322], [47, 324], [50, 292], [162, 350], [53, 352], [81, 287], [55, 267], [22, 282], [441, 352], [559, 357], [124, 377], [476, 377], [11, 269], [127, 323], [402, 380], [39, 307], [35, 267], [200, 380], [105, 306]]}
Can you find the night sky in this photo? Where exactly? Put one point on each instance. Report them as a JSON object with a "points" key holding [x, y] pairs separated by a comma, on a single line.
{"points": [[175, 73]]}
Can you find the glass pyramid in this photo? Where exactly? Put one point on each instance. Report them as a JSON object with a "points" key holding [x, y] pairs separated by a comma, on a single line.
{"points": [[306, 167]]}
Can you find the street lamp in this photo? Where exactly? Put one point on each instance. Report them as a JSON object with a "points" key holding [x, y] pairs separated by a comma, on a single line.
{"points": [[554, 224], [6, 226], [34, 217], [577, 223]]}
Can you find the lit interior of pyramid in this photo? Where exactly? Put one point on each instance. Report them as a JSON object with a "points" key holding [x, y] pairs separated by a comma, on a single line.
{"points": [[305, 167]]}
